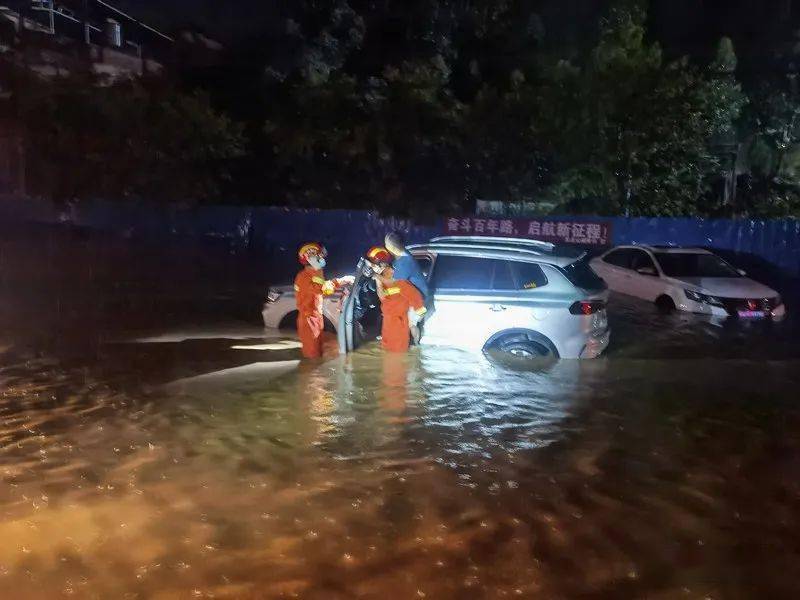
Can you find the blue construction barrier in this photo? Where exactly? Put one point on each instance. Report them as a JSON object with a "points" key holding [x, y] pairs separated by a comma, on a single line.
{"points": [[276, 232], [775, 241], [273, 234]]}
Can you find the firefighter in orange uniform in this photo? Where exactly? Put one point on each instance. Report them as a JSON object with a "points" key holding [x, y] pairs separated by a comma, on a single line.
{"points": [[397, 297], [309, 287]]}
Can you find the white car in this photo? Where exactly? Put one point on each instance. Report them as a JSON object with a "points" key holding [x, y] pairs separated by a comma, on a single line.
{"points": [[512, 295], [688, 279], [280, 309]]}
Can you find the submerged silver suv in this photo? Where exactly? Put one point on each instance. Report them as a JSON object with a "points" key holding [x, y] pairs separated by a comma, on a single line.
{"points": [[513, 295]]}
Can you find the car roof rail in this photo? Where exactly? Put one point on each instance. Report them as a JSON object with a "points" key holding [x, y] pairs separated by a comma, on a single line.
{"points": [[511, 249], [508, 252], [480, 239], [679, 248]]}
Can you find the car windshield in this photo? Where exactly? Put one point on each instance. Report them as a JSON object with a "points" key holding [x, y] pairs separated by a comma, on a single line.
{"points": [[688, 264]]}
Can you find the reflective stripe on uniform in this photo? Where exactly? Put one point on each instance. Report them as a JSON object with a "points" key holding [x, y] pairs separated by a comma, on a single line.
{"points": [[318, 280], [422, 311], [392, 291], [296, 288]]}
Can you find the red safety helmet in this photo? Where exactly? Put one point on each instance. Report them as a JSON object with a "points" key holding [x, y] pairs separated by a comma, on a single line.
{"points": [[310, 248], [379, 255]]}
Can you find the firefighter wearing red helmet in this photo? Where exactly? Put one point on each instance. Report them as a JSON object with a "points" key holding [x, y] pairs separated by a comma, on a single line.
{"points": [[379, 257], [310, 286], [397, 298]]}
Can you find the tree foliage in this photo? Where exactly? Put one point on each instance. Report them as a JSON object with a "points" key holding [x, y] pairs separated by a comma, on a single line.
{"points": [[618, 129], [130, 140], [369, 142], [632, 131], [424, 105], [770, 134]]}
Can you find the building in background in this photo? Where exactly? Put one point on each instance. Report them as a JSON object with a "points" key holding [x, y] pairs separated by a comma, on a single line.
{"points": [[48, 39], [55, 38]]}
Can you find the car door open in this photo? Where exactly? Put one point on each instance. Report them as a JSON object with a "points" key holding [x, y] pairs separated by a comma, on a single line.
{"points": [[360, 319]]}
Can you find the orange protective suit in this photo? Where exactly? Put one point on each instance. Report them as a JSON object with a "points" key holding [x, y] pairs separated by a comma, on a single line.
{"points": [[399, 297], [308, 288]]}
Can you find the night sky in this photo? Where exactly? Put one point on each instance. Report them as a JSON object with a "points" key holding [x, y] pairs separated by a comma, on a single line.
{"points": [[226, 20], [682, 26]]}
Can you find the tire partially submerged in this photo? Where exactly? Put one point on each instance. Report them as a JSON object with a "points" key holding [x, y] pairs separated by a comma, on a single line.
{"points": [[522, 347]]}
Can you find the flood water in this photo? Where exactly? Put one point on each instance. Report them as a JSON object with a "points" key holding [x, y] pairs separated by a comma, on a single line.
{"points": [[211, 464]]}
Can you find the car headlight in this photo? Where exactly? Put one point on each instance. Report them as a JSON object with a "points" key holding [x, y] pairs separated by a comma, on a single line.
{"points": [[692, 295], [273, 296], [702, 298]]}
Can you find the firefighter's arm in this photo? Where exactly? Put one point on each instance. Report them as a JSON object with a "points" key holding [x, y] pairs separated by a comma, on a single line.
{"points": [[338, 283], [318, 284], [416, 302], [380, 288]]}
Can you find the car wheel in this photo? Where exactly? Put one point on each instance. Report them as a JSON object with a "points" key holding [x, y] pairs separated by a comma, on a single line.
{"points": [[665, 305], [521, 346], [289, 323]]}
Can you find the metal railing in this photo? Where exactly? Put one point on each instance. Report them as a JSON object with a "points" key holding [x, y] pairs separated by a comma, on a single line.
{"points": [[53, 11]]}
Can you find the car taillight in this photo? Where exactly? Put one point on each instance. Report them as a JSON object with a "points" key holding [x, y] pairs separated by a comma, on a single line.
{"points": [[587, 307]]}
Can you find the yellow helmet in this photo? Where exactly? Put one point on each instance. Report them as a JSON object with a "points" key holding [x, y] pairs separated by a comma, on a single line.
{"points": [[310, 249]]}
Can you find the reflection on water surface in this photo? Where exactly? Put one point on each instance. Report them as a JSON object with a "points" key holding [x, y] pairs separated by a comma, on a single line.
{"points": [[439, 474]]}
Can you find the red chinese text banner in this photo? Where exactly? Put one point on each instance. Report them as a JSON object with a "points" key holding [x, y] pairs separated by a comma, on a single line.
{"points": [[590, 233]]}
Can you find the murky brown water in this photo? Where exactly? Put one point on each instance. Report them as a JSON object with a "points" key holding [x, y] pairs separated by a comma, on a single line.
{"points": [[182, 467], [436, 475]]}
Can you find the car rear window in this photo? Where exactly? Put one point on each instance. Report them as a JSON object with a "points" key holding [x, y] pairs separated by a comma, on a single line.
{"points": [[503, 279], [620, 258], [689, 264], [471, 273], [582, 276], [529, 276], [642, 260], [463, 273]]}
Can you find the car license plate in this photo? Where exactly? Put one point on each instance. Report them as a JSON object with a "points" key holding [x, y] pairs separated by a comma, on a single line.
{"points": [[751, 314]]}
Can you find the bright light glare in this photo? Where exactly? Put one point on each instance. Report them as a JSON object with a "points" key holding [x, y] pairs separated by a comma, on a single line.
{"points": [[282, 345]]}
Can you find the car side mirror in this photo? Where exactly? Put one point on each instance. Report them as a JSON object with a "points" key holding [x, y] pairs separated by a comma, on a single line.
{"points": [[741, 272], [649, 271]]}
